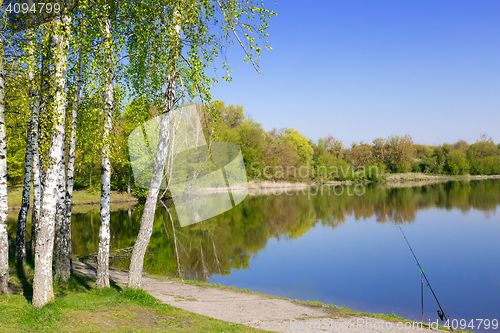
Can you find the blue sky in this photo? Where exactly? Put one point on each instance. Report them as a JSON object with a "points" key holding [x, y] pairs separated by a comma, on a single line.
{"points": [[362, 69]]}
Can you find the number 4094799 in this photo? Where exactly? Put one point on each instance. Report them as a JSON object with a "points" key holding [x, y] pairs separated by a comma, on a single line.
{"points": [[472, 324], [36, 8]]}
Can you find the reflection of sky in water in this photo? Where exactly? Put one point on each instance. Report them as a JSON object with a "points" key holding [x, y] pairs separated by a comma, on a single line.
{"points": [[367, 266]]}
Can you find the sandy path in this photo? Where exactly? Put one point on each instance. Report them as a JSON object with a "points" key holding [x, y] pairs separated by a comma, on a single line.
{"points": [[250, 309]]}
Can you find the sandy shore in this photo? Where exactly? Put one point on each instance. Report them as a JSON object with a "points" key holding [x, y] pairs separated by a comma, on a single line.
{"points": [[255, 310], [391, 180]]}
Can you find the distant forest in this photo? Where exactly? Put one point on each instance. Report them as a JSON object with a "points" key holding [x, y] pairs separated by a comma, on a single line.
{"points": [[397, 154], [282, 154]]}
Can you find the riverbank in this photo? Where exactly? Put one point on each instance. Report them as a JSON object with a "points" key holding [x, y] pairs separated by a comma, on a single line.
{"points": [[421, 179], [173, 305], [80, 197], [122, 200], [417, 177], [410, 179], [257, 310]]}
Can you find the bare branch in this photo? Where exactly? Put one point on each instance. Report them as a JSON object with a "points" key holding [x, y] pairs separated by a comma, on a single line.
{"points": [[125, 56]]}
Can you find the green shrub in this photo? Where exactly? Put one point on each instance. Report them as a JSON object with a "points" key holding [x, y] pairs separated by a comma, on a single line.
{"points": [[456, 163]]}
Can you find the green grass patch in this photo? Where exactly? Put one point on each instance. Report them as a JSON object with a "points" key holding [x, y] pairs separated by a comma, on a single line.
{"points": [[80, 307], [80, 197], [87, 197]]}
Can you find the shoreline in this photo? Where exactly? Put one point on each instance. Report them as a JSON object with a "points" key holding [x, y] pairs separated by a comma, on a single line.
{"points": [[163, 303], [267, 312], [388, 181], [83, 198], [80, 198]]}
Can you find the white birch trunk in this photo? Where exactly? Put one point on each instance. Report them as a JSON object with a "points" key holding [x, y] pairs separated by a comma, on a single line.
{"points": [[4, 239], [42, 280], [147, 219], [25, 204], [104, 231], [37, 200], [63, 214], [35, 136], [71, 167], [61, 259]]}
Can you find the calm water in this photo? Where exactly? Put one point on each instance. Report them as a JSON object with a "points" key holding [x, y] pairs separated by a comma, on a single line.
{"points": [[344, 249]]}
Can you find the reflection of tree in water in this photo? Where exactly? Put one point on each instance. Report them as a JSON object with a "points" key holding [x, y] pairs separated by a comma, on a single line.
{"points": [[228, 241]]}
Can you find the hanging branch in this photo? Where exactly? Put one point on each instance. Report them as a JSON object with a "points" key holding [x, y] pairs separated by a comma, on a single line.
{"points": [[249, 56]]}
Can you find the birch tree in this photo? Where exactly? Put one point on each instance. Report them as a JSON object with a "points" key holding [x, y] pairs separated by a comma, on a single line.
{"points": [[61, 230], [105, 28], [4, 239], [42, 280], [104, 231], [63, 237], [63, 270], [137, 259], [189, 50], [23, 212], [33, 102], [42, 106]]}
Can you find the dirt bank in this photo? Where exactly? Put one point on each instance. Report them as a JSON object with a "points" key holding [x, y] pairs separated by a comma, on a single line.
{"points": [[251, 309], [409, 179]]}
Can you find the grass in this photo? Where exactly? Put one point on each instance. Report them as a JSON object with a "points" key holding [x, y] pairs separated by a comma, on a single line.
{"points": [[80, 307], [80, 197]]}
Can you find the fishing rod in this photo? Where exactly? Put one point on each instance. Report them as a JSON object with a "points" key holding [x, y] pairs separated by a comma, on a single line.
{"points": [[440, 312]]}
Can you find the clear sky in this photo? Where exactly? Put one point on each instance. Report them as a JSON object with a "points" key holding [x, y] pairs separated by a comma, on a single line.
{"points": [[362, 69]]}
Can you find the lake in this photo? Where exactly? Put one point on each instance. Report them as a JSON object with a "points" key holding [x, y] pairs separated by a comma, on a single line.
{"points": [[338, 248]]}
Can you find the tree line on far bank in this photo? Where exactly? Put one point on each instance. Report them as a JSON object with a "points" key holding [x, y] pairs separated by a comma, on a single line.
{"points": [[268, 155], [279, 154]]}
